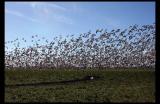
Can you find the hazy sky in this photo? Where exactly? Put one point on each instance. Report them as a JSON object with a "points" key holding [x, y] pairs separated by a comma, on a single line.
{"points": [[50, 19]]}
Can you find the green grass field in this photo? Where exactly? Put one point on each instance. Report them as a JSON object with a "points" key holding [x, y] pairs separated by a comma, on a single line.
{"points": [[114, 86]]}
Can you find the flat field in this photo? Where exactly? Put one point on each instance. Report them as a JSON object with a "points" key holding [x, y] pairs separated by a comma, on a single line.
{"points": [[114, 85]]}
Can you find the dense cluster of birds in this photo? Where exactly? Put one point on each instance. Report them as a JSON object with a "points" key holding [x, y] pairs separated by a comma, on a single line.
{"points": [[131, 47]]}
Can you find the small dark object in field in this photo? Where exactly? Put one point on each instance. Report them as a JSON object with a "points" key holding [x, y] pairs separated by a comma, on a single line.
{"points": [[91, 77]]}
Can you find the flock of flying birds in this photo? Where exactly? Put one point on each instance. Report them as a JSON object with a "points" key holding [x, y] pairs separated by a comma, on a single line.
{"points": [[131, 47]]}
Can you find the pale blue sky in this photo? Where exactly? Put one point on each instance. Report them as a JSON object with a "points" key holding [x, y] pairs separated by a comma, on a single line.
{"points": [[50, 19]]}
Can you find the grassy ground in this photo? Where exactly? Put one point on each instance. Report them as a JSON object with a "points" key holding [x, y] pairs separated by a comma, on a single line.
{"points": [[115, 86]]}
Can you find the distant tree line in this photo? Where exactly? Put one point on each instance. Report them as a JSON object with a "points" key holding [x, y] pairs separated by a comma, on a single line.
{"points": [[131, 47]]}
